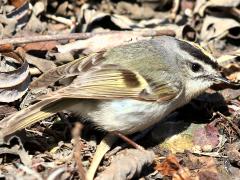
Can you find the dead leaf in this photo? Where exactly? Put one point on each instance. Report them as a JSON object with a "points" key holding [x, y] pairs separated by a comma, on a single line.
{"points": [[230, 94], [206, 138], [39, 7], [233, 153], [134, 11], [201, 5], [182, 174], [5, 48], [10, 25], [19, 150], [40, 46], [183, 32], [14, 83], [225, 58], [35, 25], [6, 110], [214, 27], [169, 166], [42, 64], [206, 167], [21, 14], [93, 19], [17, 3], [127, 164]]}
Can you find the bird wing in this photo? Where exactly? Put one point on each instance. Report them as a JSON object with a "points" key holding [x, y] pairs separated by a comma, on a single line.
{"points": [[68, 70], [94, 81], [110, 81], [97, 80]]}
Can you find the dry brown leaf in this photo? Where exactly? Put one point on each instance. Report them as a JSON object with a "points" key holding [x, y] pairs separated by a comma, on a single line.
{"points": [[6, 110], [6, 48], [35, 25], [225, 58], [40, 46], [235, 77], [39, 7], [93, 18], [214, 27], [127, 164], [134, 11], [230, 94], [21, 14], [14, 82], [42, 64], [19, 150], [233, 153], [10, 25], [201, 5], [183, 32], [206, 138], [208, 167], [169, 166], [17, 3], [182, 174]]}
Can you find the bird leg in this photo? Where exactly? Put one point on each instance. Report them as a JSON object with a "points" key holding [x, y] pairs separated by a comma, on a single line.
{"points": [[127, 140], [104, 147], [101, 150], [135, 138]]}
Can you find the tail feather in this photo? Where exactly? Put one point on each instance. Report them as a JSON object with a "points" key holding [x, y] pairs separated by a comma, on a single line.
{"points": [[32, 114]]}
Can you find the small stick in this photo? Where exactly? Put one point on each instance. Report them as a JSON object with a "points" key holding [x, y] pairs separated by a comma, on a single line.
{"points": [[76, 132], [56, 37]]}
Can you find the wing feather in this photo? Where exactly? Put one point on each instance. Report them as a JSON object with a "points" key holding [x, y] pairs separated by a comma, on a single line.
{"points": [[115, 82], [67, 70]]}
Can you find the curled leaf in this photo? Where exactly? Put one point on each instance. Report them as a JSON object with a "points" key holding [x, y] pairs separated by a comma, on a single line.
{"points": [[201, 5], [14, 83], [213, 27], [17, 149], [127, 164]]}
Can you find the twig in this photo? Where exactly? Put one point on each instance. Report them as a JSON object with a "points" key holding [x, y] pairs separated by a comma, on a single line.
{"points": [[210, 154], [76, 133], [43, 38], [62, 20]]}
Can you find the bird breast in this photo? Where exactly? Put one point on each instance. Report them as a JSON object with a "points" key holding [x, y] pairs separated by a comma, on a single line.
{"points": [[128, 116]]}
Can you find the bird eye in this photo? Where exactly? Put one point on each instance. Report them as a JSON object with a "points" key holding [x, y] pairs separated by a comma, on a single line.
{"points": [[195, 67]]}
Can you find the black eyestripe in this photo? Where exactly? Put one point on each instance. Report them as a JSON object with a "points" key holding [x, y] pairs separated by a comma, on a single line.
{"points": [[197, 53]]}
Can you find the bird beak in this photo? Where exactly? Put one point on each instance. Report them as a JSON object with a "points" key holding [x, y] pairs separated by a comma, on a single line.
{"points": [[221, 79]]}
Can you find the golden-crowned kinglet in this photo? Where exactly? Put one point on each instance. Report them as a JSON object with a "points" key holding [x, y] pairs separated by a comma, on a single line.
{"points": [[124, 89], [127, 88]]}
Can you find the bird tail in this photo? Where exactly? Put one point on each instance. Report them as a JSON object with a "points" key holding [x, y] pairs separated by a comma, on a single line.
{"points": [[31, 115]]}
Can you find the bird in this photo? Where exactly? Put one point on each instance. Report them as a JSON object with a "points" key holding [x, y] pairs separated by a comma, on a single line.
{"points": [[124, 89]]}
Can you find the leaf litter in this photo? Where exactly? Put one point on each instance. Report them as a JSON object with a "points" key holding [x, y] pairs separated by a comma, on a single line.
{"points": [[208, 127]]}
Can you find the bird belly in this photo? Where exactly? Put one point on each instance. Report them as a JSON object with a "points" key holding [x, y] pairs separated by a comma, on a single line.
{"points": [[128, 116]]}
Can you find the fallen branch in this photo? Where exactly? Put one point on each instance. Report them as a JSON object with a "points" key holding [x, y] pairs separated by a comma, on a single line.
{"points": [[43, 38]]}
